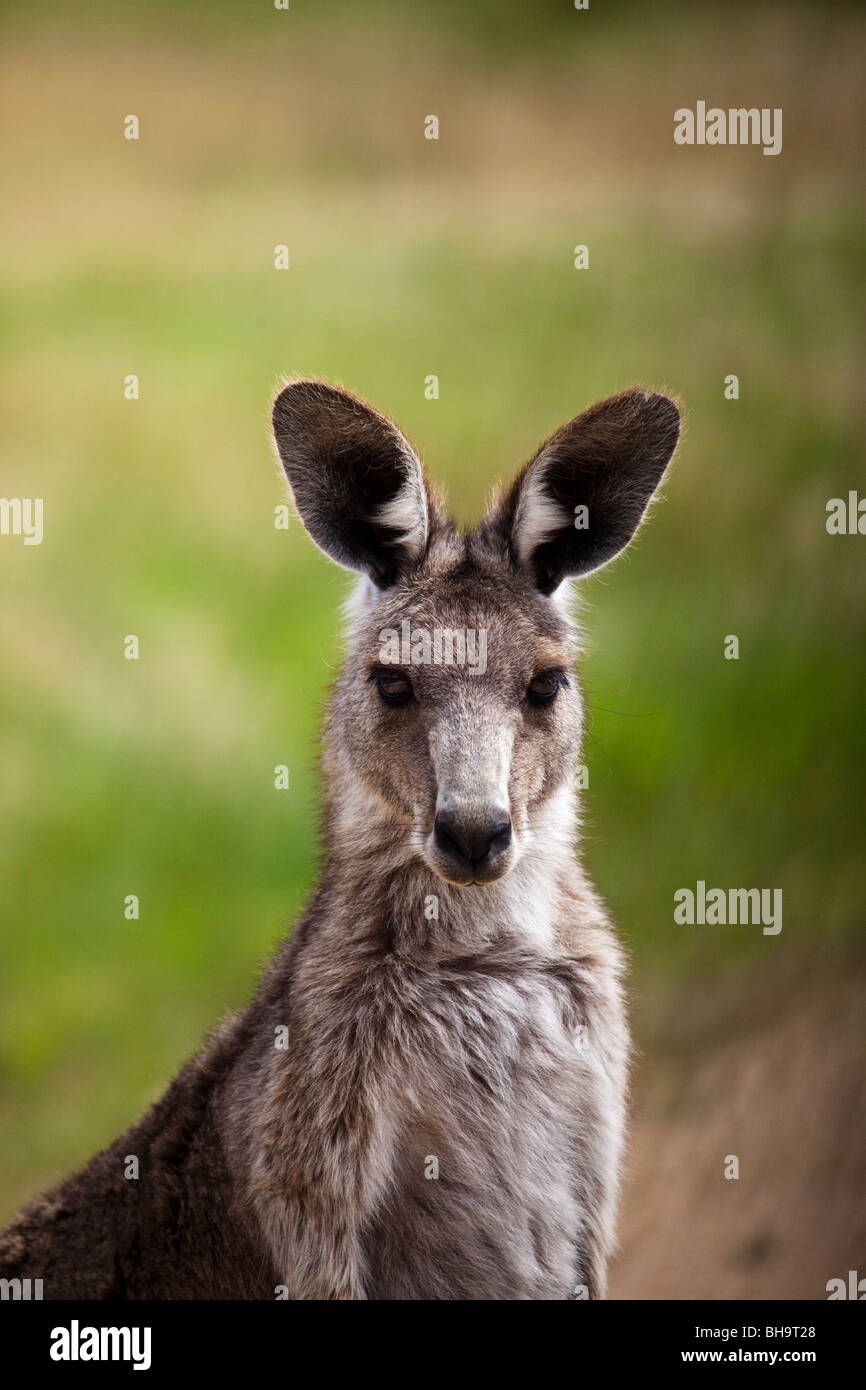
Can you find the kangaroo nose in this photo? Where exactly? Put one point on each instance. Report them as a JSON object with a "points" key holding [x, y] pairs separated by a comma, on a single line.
{"points": [[473, 840]]}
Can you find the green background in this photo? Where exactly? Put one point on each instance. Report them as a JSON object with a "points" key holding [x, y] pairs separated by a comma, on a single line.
{"points": [[408, 257]]}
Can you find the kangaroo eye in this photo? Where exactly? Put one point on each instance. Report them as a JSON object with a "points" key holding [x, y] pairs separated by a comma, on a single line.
{"points": [[544, 687], [394, 687]]}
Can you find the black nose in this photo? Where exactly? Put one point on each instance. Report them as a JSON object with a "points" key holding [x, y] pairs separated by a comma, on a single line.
{"points": [[470, 839]]}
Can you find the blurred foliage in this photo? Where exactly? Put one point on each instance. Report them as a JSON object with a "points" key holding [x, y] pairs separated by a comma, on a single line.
{"points": [[408, 257]]}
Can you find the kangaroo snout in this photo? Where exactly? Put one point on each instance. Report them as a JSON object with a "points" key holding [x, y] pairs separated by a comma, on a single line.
{"points": [[472, 843]]}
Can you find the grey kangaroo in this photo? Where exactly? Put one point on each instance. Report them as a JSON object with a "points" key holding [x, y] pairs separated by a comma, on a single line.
{"points": [[426, 1097]]}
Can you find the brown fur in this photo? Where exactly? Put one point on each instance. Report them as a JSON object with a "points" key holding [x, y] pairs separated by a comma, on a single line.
{"points": [[471, 1017]]}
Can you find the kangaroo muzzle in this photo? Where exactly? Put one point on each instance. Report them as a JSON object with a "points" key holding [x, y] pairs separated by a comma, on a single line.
{"points": [[472, 840]]}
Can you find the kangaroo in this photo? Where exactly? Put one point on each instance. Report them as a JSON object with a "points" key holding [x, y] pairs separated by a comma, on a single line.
{"points": [[426, 1097]]}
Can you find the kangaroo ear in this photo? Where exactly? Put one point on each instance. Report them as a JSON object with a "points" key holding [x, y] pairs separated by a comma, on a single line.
{"points": [[578, 503], [356, 481]]}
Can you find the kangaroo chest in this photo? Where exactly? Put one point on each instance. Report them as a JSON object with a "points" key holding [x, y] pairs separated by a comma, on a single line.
{"points": [[491, 1114]]}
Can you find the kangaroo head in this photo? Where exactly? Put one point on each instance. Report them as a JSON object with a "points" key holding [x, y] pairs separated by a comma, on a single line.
{"points": [[456, 721]]}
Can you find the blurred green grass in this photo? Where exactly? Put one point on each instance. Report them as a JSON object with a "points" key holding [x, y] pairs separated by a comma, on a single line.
{"points": [[156, 777]]}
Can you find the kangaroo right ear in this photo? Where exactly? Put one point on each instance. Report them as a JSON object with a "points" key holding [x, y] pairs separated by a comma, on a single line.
{"points": [[357, 483], [607, 462]]}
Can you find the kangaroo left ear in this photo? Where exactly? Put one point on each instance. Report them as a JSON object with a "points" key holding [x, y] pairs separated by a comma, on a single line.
{"points": [[578, 503], [357, 482]]}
